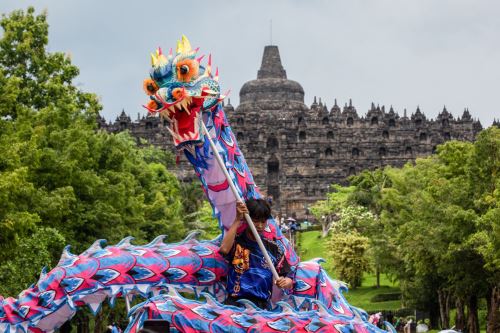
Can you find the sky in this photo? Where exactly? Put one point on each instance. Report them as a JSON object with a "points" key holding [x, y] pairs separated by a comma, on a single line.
{"points": [[404, 53]]}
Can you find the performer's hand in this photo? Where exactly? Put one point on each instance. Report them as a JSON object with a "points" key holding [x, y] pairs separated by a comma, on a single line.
{"points": [[284, 283], [241, 210]]}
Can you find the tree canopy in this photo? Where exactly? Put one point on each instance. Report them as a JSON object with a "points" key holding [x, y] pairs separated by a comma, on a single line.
{"points": [[435, 227], [61, 179]]}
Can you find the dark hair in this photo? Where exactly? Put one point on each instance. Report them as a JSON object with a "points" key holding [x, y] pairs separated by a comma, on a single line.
{"points": [[258, 209]]}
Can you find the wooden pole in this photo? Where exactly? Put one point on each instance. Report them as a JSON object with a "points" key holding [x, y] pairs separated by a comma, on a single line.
{"points": [[220, 162]]}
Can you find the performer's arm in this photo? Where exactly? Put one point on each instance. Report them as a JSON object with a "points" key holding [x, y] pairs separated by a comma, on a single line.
{"points": [[229, 236]]}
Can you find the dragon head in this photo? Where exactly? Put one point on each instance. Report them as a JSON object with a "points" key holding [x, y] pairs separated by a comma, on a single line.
{"points": [[180, 90]]}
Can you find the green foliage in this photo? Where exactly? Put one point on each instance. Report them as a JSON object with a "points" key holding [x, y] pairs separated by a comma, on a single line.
{"points": [[58, 173], [348, 253], [435, 224], [336, 200], [355, 218], [311, 245], [26, 259], [205, 222], [386, 297], [35, 78]]}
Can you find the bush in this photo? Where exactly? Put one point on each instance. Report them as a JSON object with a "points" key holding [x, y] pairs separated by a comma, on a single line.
{"points": [[404, 312], [386, 297], [315, 227], [348, 253]]}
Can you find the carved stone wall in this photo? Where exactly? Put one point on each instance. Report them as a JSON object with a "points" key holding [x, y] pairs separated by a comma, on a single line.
{"points": [[296, 151]]}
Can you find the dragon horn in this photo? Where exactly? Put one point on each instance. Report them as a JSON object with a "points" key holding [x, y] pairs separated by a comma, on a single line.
{"points": [[186, 44], [223, 96], [160, 52], [179, 47], [199, 59], [183, 45], [208, 70], [154, 60], [216, 78]]}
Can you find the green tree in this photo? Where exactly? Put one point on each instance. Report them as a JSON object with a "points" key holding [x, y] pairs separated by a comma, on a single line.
{"points": [[57, 170], [348, 253], [204, 221], [437, 226], [369, 187], [326, 211], [27, 259], [483, 170], [432, 211]]}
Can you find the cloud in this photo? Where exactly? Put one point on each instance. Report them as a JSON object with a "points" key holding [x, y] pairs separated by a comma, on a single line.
{"points": [[393, 52]]}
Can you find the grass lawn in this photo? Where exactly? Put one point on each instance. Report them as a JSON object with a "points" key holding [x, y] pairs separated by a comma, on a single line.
{"points": [[311, 246], [361, 298]]}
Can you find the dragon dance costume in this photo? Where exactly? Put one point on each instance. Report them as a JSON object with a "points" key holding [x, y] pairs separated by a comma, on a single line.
{"points": [[186, 93]]}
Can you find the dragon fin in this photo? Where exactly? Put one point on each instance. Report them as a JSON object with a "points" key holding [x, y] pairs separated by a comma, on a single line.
{"points": [[158, 240], [96, 246], [125, 242], [191, 236]]}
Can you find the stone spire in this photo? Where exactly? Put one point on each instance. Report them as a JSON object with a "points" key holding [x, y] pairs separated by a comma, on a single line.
{"points": [[271, 67], [466, 115], [271, 83]]}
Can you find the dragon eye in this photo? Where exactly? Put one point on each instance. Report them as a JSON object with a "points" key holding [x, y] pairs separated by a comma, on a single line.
{"points": [[187, 69], [150, 86], [184, 69]]}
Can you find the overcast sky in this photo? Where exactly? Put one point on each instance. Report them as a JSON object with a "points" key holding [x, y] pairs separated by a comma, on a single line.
{"points": [[403, 53]]}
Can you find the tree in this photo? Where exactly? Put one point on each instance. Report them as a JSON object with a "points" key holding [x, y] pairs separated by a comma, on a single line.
{"points": [[27, 259], [204, 221], [369, 188], [57, 171], [348, 253], [326, 211], [483, 170], [431, 210], [437, 223]]}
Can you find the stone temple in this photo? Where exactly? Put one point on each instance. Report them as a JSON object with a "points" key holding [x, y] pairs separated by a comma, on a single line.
{"points": [[297, 151]]}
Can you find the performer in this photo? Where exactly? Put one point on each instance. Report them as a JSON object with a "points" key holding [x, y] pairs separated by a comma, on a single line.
{"points": [[249, 275]]}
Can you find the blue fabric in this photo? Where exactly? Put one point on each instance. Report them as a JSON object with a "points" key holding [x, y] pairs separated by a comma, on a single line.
{"points": [[249, 275]]}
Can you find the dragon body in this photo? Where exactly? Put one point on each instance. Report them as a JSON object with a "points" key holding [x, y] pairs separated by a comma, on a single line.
{"points": [[186, 94], [191, 316], [113, 271]]}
